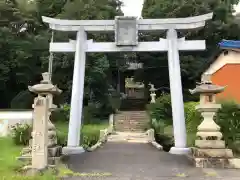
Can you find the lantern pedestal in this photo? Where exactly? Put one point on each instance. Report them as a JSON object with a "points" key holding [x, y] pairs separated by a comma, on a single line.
{"points": [[210, 150]]}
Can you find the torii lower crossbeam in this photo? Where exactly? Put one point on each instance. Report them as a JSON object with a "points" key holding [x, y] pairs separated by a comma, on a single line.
{"points": [[154, 46]]}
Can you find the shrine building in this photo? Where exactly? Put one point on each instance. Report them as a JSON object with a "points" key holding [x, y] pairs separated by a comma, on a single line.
{"points": [[136, 93]]}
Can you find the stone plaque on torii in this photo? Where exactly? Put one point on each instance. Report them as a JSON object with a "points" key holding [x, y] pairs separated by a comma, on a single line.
{"points": [[126, 32], [126, 40]]}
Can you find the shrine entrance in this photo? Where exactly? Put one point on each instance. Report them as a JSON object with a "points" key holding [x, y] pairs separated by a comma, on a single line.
{"points": [[126, 40]]}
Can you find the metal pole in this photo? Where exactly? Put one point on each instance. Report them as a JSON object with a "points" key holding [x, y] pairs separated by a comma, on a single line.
{"points": [[50, 63]]}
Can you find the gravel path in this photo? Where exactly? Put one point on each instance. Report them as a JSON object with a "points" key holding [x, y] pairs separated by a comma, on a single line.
{"points": [[138, 161]]}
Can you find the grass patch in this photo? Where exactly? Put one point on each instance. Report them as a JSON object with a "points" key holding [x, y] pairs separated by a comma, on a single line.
{"points": [[191, 136], [89, 133], [63, 127], [8, 155], [10, 166]]}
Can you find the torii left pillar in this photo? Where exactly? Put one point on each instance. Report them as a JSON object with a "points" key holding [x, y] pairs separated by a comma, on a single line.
{"points": [[179, 127]]}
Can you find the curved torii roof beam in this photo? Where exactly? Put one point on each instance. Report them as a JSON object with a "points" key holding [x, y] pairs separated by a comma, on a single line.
{"points": [[143, 24]]}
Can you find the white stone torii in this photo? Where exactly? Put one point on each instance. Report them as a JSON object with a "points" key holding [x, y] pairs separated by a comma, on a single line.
{"points": [[172, 44]]}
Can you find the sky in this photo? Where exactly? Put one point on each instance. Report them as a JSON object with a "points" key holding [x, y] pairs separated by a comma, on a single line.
{"points": [[134, 7], [237, 8]]}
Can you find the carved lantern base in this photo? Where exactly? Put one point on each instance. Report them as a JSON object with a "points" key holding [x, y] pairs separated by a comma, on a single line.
{"points": [[210, 150]]}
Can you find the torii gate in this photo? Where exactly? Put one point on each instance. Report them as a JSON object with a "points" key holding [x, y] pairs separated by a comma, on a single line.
{"points": [[126, 39]]}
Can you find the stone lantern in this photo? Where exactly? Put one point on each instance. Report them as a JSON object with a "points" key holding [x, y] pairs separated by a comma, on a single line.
{"points": [[43, 146], [210, 149], [152, 93]]}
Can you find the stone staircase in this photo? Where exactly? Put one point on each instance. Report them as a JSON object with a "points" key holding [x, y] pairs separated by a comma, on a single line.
{"points": [[129, 104], [131, 121]]}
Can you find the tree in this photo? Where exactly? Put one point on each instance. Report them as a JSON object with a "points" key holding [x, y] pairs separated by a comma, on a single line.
{"points": [[222, 26], [98, 64], [15, 52], [24, 40]]}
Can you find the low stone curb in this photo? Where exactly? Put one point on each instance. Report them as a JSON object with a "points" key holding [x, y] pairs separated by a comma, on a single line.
{"points": [[151, 139], [94, 147], [158, 146]]}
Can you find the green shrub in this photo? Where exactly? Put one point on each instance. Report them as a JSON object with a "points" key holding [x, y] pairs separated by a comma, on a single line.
{"points": [[166, 141], [161, 117], [89, 133], [62, 114], [228, 118], [59, 116], [21, 134], [66, 110], [62, 138], [91, 114], [161, 110], [192, 117], [62, 135], [88, 138], [115, 100], [158, 126]]}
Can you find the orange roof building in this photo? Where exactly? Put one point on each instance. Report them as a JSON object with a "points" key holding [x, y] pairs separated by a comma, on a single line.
{"points": [[225, 70]]}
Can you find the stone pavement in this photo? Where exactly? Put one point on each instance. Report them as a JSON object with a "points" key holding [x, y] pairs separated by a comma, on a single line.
{"points": [[140, 161], [131, 137]]}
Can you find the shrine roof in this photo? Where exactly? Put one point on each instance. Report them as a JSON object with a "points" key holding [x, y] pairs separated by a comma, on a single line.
{"points": [[229, 44]]}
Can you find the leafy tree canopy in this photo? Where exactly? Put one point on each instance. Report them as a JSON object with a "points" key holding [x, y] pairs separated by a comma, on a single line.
{"points": [[222, 26]]}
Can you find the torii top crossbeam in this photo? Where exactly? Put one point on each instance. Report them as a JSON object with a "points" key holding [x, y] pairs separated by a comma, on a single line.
{"points": [[143, 24]]}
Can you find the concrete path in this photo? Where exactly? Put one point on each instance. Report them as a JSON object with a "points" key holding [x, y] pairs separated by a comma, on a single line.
{"points": [[139, 161]]}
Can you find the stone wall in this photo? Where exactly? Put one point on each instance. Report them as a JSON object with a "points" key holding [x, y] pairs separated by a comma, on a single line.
{"points": [[10, 118]]}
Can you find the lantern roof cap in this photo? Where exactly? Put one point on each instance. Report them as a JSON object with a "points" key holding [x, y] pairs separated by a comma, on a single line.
{"points": [[206, 86], [45, 87]]}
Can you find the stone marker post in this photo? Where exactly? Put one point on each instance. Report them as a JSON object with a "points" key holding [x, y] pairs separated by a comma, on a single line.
{"points": [[39, 133]]}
